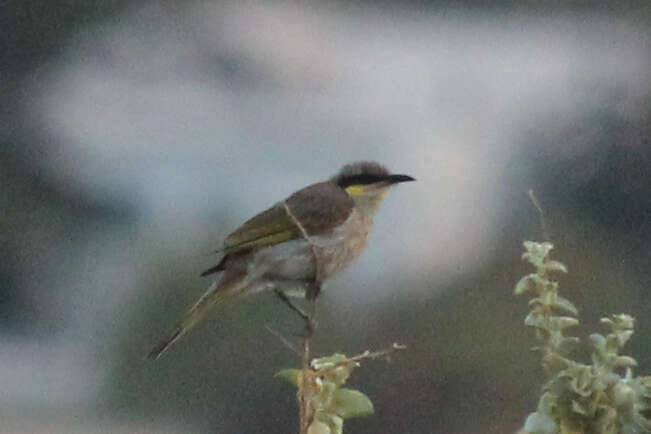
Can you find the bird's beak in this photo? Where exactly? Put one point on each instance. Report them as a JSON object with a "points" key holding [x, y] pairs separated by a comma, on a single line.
{"points": [[394, 179]]}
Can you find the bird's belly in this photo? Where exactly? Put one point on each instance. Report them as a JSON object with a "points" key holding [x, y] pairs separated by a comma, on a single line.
{"points": [[335, 255], [292, 260], [295, 260]]}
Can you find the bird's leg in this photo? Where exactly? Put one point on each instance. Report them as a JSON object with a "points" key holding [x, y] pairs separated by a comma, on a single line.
{"points": [[313, 291], [285, 299], [313, 288]]}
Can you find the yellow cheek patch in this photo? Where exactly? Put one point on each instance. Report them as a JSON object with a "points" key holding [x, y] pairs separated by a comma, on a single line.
{"points": [[356, 190]]}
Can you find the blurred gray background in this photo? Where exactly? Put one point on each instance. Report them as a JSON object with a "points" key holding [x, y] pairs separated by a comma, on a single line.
{"points": [[135, 135]]}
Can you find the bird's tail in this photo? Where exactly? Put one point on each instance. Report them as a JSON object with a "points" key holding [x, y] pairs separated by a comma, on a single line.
{"points": [[216, 294]]}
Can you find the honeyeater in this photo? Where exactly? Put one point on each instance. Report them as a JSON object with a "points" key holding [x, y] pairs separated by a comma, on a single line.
{"points": [[296, 244]]}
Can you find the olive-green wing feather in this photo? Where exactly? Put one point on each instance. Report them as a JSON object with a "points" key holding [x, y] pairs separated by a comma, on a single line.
{"points": [[318, 207], [271, 226]]}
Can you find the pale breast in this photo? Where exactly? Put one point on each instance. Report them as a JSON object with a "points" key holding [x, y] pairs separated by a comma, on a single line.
{"points": [[337, 250], [295, 260]]}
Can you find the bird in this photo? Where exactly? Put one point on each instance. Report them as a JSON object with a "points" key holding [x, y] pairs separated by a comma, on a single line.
{"points": [[295, 245]]}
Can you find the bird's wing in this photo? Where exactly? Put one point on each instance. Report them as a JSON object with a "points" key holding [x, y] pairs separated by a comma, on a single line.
{"points": [[271, 226], [317, 207]]}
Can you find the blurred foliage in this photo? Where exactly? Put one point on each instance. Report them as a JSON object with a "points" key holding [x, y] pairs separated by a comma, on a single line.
{"points": [[329, 402], [579, 397]]}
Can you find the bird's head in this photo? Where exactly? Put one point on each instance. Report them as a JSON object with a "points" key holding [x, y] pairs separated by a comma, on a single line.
{"points": [[367, 183]]}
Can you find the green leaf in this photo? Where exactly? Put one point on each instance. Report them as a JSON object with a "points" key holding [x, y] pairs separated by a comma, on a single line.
{"points": [[562, 322], [333, 421], [547, 402], [623, 337], [608, 322], [578, 408], [538, 249], [624, 397], [526, 284], [318, 427], [598, 341], [291, 375], [534, 319], [567, 343], [555, 362], [555, 266], [624, 321], [326, 362], [349, 403], [538, 423], [565, 305], [625, 362], [581, 379], [339, 374]]}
